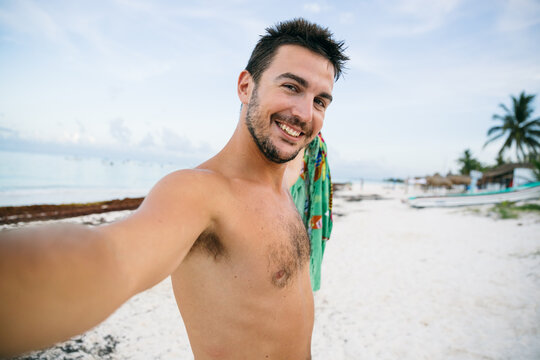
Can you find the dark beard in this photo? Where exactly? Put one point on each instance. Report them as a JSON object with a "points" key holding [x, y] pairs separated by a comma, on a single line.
{"points": [[264, 144]]}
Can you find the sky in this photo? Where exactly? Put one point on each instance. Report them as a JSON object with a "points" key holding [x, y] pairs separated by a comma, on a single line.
{"points": [[156, 80]]}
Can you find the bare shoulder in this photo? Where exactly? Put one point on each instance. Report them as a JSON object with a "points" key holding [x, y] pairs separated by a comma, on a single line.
{"points": [[182, 196], [197, 178], [153, 240], [200, 187]]}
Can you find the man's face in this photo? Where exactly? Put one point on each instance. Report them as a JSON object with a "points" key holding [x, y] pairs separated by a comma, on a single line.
{"points": [[287, 106]]}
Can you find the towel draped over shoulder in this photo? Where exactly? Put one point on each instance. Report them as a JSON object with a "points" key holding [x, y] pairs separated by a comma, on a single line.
{"points": [[312, 195]]}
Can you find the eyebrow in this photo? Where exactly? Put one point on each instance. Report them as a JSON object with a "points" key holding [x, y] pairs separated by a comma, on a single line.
{"points": [[303, 82]]}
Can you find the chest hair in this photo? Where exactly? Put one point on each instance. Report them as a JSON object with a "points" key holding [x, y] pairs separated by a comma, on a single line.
{"points": [[287, 252]]}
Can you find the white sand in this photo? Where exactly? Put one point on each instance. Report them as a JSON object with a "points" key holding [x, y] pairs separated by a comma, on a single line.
{"points": [[398, 283]]}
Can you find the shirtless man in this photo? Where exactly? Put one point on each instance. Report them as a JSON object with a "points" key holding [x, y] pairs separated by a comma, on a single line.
{"points": [[226, 232]]}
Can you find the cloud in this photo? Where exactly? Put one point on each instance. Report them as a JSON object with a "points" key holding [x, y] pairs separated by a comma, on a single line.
{"points": [[10, 140], [312, 7], [72, 137], [82, 129], [519, 14], [96, 37], [147, 141], [114, 92], [179, 143], [346, 17], [7, 132], [29, 18], [352, 168], [119, 131], [414, 17], [173, 141], [84, 36], [182, 146], [141, 6], [138, 68]]}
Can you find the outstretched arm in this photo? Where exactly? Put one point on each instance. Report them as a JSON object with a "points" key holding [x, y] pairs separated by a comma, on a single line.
{"points": [[60, 280]]}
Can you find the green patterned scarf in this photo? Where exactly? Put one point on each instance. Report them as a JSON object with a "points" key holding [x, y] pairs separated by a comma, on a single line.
{"points": [[312, 194]]}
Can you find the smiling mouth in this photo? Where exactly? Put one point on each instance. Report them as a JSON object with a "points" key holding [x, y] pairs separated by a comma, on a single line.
{"points": [[288, 130]]}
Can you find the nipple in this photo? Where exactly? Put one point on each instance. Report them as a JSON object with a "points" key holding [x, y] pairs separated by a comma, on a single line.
{"points": [[280, 278]]}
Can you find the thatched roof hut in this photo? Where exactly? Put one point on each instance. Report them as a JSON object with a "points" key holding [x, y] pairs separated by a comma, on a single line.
{"points": [[459, 179], [503, 174], [437, 180]]}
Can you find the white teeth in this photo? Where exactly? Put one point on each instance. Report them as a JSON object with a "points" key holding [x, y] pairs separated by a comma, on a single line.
{"points": [[288, 130]]}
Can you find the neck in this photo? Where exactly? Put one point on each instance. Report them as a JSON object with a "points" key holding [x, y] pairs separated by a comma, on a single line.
{"points": [[242, 158]]}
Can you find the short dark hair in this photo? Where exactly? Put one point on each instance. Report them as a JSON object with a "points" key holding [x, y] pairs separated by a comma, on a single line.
{"points": [[300, 32]]}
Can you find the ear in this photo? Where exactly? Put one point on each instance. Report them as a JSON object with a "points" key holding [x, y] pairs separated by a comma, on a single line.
{"points": [[245, 86]]}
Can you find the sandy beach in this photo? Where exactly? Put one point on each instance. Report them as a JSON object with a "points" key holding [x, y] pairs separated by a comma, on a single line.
{"points": [[397, 283]]}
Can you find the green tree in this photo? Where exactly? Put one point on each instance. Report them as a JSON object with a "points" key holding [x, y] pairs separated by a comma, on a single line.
{"points": [[520, 130], [535, 161], [499, 160], [469, 163]]}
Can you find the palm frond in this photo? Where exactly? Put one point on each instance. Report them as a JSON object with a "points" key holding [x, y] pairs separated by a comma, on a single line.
{"points": [[494, 129], [505, 108], [533, 122], [535, 131], [508, 142], [522, 107], [533, 143], [493, 139], [519, 150]]}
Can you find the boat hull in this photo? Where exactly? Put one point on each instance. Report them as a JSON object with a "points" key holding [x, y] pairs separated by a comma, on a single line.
{"points": [[525, 192]]}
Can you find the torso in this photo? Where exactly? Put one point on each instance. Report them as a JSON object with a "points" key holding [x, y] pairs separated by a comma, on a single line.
{"points": [[244, 290]]}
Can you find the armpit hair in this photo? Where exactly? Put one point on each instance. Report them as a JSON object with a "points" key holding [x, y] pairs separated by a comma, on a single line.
{"points": [[209, 243]]}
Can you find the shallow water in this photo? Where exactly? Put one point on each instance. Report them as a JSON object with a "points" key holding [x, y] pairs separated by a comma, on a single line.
{"points": [[31, 178]]}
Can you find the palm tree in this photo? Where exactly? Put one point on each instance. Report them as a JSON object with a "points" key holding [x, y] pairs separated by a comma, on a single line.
{"points": [[535, 161], [468, 163], [499, 160], [522, 131]]}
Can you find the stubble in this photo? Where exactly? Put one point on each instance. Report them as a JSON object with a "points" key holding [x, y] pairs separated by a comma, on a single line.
{"points": [[255, 123]]}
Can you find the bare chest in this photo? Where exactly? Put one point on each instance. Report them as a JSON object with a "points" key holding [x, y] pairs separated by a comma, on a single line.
{"points": [[261, 239]]}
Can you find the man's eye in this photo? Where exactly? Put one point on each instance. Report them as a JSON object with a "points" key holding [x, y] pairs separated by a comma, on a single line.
{"points": [[291, 87], [320, 103]]}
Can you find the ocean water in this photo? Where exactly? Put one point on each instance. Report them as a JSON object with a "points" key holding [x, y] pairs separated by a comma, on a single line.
{"points": [[31, 178]]}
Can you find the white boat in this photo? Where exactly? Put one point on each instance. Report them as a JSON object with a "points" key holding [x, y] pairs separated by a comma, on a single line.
{"points": [[529, 191]]}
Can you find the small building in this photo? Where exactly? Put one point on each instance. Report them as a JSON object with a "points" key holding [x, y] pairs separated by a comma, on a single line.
{"points": [[507, 175]]}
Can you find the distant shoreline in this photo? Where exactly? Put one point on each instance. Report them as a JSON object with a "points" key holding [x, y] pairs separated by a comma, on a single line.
{"points": [[28, 213], [42, 212]]}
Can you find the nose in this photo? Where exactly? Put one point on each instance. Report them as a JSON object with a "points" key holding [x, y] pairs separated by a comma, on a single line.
{"points": [[303, 109]]}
